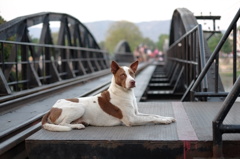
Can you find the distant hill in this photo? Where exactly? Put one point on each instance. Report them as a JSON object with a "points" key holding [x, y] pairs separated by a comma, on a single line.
{"points": [[99, 29], [152, 29]]}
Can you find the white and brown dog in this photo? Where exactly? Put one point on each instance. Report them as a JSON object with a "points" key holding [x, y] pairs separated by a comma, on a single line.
{"points": [[113, 107]]}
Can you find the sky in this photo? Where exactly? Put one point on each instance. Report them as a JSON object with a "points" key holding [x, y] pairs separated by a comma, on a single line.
{"points": [[130, 10]]}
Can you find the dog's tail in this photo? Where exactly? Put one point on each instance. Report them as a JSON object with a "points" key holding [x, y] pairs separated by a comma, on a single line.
{"points": [[53, 127]]}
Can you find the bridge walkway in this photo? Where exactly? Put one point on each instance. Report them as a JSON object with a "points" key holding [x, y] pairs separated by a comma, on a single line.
{"points": [[189, 137], [11, 118], [24, 116]]}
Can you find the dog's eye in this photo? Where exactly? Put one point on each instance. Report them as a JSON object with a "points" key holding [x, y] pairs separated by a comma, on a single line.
{"points": [[132, 74], [123, 76]]}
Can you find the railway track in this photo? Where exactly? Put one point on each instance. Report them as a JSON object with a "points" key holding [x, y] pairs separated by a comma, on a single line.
{"points": [[13, 139]]}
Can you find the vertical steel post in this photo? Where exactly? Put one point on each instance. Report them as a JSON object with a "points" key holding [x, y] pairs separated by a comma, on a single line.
{"points": [[2, 57], [218, 120], [216, 72], [16, 63], [215, 52], [217, 140], [235, 53]]}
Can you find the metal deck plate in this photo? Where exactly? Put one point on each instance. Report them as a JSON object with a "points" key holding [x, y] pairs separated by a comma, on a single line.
{"points": [[149, 132], [201, 115], [189, 136], [28, 111]]}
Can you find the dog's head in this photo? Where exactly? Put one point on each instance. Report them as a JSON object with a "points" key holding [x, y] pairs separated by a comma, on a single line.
{"points": [[124, 76]]}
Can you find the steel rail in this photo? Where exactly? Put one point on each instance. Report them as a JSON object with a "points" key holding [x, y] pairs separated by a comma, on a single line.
{"points": [[17, 135], [53, 46], [9, 101]]}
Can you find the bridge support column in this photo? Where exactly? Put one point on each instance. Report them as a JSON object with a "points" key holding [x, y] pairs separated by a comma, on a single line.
{"points": [[217, 141]]}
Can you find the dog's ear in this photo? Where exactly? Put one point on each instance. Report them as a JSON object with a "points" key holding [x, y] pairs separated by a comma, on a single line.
{"points": [[114, 67], [134, 66]]}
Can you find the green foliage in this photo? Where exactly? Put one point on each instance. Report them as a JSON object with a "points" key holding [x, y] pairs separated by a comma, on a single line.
{"points": [[213, 41], [35, 40], [6, 47], [55, 38], [2, 20], [149, 43], [161, 40], [123, 30]]}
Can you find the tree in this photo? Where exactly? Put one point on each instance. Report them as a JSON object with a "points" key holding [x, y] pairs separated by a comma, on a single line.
{"points": [[161, 40], [55, 38], [2, 20], [6, 48], [213, 41], [123, 30], [149, 43]]}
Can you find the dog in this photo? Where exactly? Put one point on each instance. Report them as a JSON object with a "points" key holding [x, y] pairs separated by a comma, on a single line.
{"points": [[112, 107]]}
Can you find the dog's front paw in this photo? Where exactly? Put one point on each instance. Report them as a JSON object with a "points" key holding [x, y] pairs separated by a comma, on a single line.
{"points": [[79, 126], [171, 118], [167, 120]]}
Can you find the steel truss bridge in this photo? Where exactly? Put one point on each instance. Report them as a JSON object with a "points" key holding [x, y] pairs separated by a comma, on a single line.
{"points": [[31, 71]]}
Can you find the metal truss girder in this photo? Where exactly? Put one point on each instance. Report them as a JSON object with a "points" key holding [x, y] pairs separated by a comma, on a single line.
{"points": [[4, 88], [28, 65]]}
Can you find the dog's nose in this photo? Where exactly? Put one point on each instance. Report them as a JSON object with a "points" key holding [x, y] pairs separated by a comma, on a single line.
{"points": [[132, 82]]}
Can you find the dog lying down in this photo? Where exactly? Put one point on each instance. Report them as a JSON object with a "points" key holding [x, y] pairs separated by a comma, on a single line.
{"points": [[112, 107]]}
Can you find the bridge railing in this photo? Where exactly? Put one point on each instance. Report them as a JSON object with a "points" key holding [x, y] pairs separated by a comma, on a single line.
{"points": [[218, 127], [27, 65], [187, 55], [214, 60]]}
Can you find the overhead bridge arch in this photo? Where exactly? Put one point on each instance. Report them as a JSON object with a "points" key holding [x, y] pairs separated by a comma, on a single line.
{"points": [[187, 54], [25, 65], [71, 33], [183, 21], [123, 52]]}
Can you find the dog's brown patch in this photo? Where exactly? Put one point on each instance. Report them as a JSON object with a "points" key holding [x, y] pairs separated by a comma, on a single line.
{"points": [[114, 67], [131, 73], [75, 100], [108, 107], [119, 74], [54, 114], [120, 77], [134, 66], [45, 118]]}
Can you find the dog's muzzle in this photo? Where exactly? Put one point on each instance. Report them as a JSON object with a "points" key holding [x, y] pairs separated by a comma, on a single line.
{"points": [[132, 83]]}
